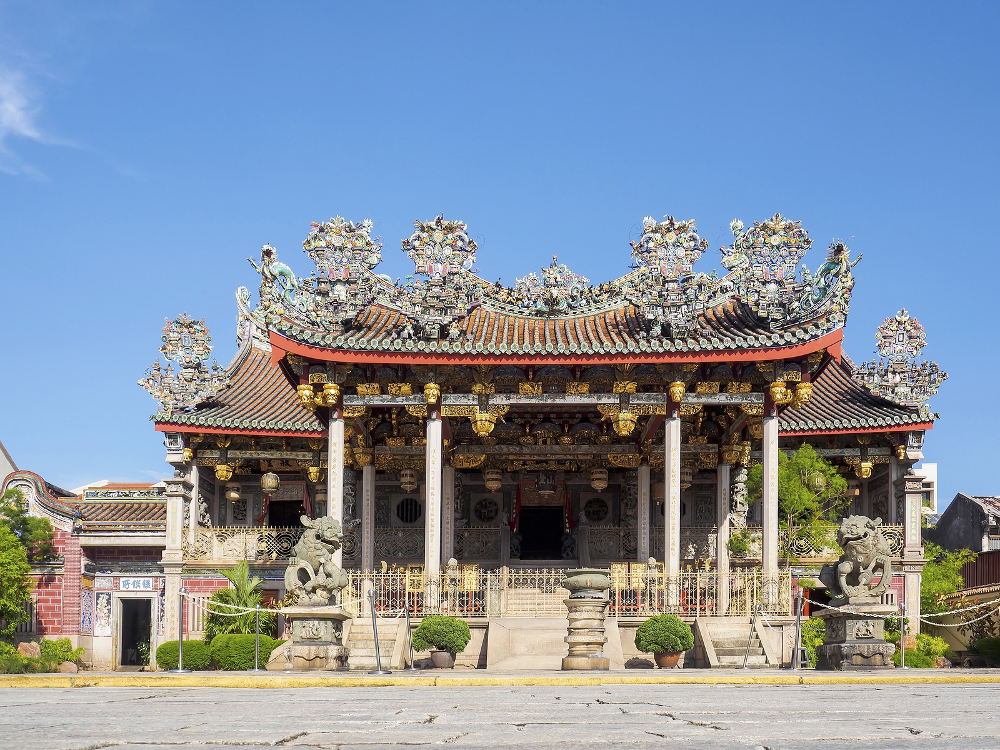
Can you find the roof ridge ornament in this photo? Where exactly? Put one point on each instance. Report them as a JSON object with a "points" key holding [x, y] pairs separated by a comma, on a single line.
{"points": [[440, 247], [896, 375], [341, 248], [187, 343]]}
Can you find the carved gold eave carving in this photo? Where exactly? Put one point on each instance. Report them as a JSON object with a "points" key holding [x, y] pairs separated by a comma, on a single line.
{"points": [[468, 460], [625, 460], [738, 386], [354, 412], [576, 388], [705, 388], [399, 389], [689, 410], [610, 411], [416, 410], [457, 411], [529, 388], [753, 410]]}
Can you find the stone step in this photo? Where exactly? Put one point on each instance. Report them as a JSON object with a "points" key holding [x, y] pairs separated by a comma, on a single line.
{"points": [[735, 642], [720, 652], [737, 661]]}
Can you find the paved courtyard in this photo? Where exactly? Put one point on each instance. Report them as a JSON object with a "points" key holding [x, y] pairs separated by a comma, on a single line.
{"points": [[758, 717]]}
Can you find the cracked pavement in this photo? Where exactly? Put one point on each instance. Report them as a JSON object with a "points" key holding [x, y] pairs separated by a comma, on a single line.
{"points": [[695, 717]]}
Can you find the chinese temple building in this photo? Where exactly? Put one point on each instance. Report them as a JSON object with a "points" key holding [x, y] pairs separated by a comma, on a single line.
{"points": [[475, 439]]}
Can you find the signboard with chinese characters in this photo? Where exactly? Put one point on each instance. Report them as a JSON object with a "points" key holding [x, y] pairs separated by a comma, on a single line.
{"points": [[135, 584]]}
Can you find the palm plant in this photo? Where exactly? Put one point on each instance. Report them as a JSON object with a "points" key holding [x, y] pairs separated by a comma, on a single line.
{"points": [[244, 592]]}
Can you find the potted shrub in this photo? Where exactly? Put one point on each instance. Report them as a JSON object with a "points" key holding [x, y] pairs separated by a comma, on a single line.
{"points": [[443, 637], [666, 637]]}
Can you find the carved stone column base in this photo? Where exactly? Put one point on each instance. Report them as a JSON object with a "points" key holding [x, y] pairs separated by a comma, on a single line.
{"points": [[855, 641], [316, 643]]}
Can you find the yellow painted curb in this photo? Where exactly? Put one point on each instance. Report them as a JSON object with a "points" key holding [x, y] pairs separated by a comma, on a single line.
{"points": [[165, 680]]}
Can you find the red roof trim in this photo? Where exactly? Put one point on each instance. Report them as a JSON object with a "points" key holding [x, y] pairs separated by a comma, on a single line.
{"points": [[280, 346]]}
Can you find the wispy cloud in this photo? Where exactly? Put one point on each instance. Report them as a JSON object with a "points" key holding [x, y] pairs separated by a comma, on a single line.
{"points": [[18, 120]]}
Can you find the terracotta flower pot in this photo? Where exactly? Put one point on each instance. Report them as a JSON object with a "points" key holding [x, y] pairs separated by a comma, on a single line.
{"points": [[666, 661], [443, 659]]}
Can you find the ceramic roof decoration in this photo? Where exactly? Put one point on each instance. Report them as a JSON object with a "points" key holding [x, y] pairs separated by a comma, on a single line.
{"points": [[187, 343], [896, 375], [663, 305]]}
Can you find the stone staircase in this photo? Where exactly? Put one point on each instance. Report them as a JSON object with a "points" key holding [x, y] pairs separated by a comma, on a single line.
{"points": [[725, 641], [361, 643], [731, 651]]}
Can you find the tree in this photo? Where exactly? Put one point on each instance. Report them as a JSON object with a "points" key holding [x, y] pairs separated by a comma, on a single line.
{"points": [[811, 493], [245, 592], [942, 575], [15, 583], [35, 534]]}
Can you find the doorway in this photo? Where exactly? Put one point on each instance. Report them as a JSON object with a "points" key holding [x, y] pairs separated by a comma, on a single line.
{"points": [[136, 632], [541, 533], [285, 513]]}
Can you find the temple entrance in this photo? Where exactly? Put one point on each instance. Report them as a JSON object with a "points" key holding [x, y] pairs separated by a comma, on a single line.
{"points": [[541, 533], [136, 632]]}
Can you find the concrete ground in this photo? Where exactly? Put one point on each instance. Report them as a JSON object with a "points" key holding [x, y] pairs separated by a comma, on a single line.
{"points": [[693, 717]]}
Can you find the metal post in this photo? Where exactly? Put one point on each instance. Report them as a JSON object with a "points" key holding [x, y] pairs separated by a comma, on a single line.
{"points": [[378, 656], [902, 639], [409, 640], [746, 654], [797, 654], [180, 632], [256, 640]]}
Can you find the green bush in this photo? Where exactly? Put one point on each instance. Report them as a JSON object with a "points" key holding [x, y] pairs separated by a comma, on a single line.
{"points": [[235, 652], [739, 544], [989, 649], [55, 652], [667, 634], [442, 633], [929, 647], [813, 635], [196, 655]]}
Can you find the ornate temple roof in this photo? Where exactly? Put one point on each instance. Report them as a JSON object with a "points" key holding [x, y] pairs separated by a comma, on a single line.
{"points": [[257, 398], [840, 403], [660, 308], [661, 313]]}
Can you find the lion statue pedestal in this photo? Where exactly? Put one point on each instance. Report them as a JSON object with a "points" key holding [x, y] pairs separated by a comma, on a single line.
{"points": [[855, 632], [314, 580]]}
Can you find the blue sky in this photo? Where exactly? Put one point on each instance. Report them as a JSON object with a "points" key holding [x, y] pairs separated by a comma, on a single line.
{"points": [[147, 149]]}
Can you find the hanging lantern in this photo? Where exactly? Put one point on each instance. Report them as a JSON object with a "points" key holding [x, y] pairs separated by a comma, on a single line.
{"points": [[676, 391], [232, 492], [817, 482], [625, 422], [687, 476], [599, 479], [408, 480], [493, 479], [314, 474], [483, 423], [545, 483], [270, 483], [863, 470], [803, 391], [223, 472]]}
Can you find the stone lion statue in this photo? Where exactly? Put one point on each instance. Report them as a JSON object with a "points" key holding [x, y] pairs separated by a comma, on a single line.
{"points": [[865, 551], [312, 576]]}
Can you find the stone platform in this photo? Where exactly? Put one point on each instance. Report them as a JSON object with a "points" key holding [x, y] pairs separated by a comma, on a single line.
{"points": [[855, 637], [317, 640]]}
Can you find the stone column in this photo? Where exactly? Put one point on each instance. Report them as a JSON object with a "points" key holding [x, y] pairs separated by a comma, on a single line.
{"points": [[193, 501], [432, 507], [368, 517], [335, 472], [769, 506], [722, 536], [913, 549], [672, 507], [642, 513], [447, 513], [177, 493]]}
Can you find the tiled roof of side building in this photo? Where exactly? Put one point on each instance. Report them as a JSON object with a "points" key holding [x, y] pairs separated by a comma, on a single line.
{"points": [[258, 398], [144, 515], [840, 403]]}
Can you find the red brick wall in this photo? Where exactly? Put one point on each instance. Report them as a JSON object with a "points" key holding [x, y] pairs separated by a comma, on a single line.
{"points": [[57, 596], [123, 554]]}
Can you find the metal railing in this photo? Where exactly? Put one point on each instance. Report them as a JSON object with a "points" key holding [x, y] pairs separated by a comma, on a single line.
{"points": [[636, 591]]}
